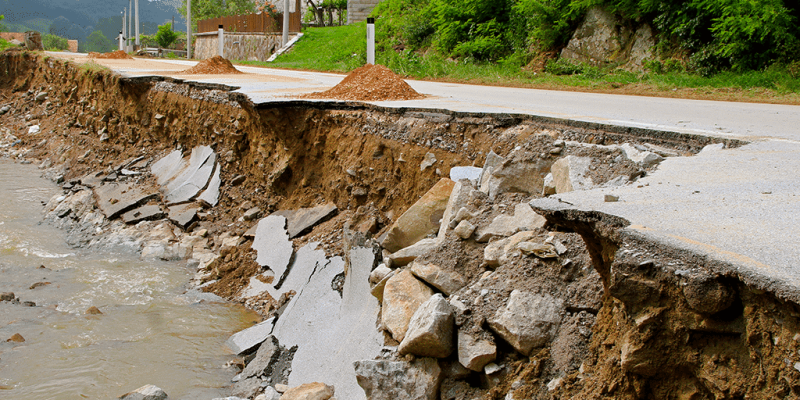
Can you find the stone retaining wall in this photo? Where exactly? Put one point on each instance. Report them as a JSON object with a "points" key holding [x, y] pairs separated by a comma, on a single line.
{"points": [[239, 46]]}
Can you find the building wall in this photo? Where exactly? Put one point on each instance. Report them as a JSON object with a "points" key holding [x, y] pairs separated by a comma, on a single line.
{"points": [[253, 47], [358, 10], [73, 45]]}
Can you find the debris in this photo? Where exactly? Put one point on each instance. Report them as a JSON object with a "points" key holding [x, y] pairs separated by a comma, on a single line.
{"points": [[93, 311], [428, 161], [473, 174], [464, 229], [16, 338], [302, 220], [143, 213], [610, 198], [411, 253], [113, 199], [524, 219], [114, 55]]}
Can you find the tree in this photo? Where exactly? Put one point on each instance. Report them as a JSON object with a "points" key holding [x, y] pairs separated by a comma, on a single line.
{"points": [[165, 35], [98, 42], [53, 42], [206, 9]]}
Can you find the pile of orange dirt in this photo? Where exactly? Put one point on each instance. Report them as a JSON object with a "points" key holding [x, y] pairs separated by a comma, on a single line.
{"points": [[115, 55], [213, 65], [369, 83]]}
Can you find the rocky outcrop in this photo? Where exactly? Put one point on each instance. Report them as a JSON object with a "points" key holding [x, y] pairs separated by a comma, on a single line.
{"points": [[603, 39]]}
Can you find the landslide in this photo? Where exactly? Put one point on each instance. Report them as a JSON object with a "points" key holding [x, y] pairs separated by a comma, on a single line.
{"points": [[653, 337]]}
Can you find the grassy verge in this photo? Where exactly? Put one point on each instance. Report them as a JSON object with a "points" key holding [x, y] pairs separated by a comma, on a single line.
{"points": [[4, 44], [342, 49]]}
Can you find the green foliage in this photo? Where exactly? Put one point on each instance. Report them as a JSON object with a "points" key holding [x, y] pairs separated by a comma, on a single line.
{"points": [[550, 23], [206, 9], [97, 42], [562, 66], [4, 44], [53, 42], [3, 27], [165, 35]]}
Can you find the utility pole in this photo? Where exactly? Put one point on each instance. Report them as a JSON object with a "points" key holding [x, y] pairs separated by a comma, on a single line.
{"points": [[137, 22], [188, 29], [130, 23], [285, 37], [124, 18]]}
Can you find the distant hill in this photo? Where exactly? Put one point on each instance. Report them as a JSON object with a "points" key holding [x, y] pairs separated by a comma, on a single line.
{"points": [[84, 14]]}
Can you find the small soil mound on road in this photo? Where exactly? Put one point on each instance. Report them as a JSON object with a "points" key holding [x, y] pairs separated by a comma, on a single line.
{"points": [[370, 83], [213, 65], [114, 55]]}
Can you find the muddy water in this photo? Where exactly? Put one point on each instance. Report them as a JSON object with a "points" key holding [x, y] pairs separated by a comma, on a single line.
{"points": [[150, 332]]}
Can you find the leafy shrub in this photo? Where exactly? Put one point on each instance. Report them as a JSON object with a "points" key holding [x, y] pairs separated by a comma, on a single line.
{"points": [[562, 66], [53, 42], [165, 35]]}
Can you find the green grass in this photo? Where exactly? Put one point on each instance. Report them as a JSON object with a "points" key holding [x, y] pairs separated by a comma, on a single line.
{"points": [[342, 49]]}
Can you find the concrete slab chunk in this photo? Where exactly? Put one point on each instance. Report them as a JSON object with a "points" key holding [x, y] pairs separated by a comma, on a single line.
{"points": [[399, 380], [114, 199], [529, 320], [473, 174], [524, 219], [187, 185], [448, 282], [272, 245], [411, 253], [183, 215], [211, 194], [302, 220], [143, 213], [167, 167], [244, 341]]}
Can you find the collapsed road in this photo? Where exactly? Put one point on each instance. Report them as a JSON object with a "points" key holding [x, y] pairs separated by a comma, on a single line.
{"points": [[425, 254]]}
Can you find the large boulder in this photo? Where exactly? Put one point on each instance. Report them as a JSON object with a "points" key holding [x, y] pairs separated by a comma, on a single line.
{"points": [[603, 38], [402, 295], [522, 172], [421, 219], [416, 250], [569, 173], [529, 320], [399, 380], [430, 332]]}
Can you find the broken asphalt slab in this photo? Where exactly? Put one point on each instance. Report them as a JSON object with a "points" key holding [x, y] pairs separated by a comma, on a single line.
{"points": [[737, 206], [303, 219], [273, 246]]}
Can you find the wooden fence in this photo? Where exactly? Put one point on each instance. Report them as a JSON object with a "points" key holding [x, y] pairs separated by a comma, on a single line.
{"points": [[251, 23]]}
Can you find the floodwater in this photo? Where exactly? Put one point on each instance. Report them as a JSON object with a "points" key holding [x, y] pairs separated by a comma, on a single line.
{"points": [[151, 331]]}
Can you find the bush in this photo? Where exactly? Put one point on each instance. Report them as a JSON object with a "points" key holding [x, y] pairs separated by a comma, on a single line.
{"points": [[53, 42]]}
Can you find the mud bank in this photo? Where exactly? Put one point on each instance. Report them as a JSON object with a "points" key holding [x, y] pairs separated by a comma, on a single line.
{"points": [[617, 316]]}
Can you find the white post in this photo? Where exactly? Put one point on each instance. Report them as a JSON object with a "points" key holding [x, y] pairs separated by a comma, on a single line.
{"points": [[371, 41], [120, 40], [285, 37], [221, 41], [130, 25], [188, 29], [137, 22]]}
